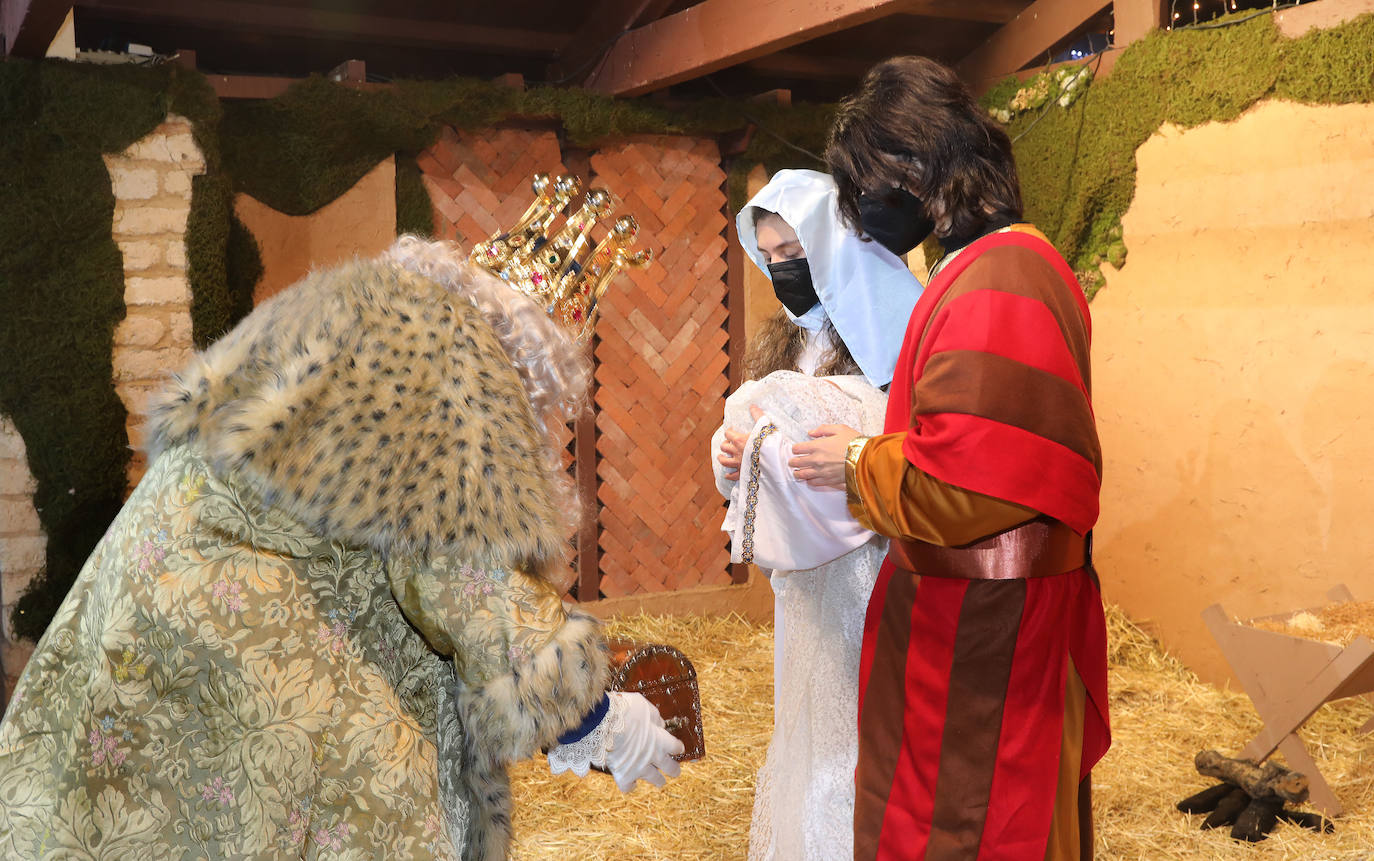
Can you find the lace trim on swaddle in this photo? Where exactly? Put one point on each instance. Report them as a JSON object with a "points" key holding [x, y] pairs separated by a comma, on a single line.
{"points": [[773, 520], [796, 403]]}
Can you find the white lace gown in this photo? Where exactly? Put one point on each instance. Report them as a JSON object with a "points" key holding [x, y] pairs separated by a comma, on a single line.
{"points": [[823, 566]]}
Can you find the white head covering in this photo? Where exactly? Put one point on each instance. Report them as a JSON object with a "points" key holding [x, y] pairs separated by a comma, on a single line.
{"points": [[865, 290]]}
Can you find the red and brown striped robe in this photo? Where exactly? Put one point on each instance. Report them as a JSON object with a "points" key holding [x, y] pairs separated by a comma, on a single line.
{"points": [[983, 676]]}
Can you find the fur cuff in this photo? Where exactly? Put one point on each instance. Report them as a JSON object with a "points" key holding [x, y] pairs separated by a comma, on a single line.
{"points": [[514, 716]]}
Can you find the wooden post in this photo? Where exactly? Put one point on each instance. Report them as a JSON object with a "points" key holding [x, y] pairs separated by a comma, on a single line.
{"points": [[589, 533], [735, 305], [1133, 19]]}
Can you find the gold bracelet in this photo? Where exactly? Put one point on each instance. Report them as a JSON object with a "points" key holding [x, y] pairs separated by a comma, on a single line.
{"points": [[852, 453]]}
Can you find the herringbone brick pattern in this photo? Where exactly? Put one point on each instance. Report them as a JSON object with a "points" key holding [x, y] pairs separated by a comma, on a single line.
{"points": [[661, 372], [479, 180], [661, 361]]}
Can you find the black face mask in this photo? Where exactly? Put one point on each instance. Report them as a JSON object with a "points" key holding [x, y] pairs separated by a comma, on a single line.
{"points": [[897, 220], [792, 285]]}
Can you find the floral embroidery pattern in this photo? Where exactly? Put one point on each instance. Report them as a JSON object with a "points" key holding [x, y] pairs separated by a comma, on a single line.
{"points": [[126, 667], [104, 744], [217, 790], [231, 594], [298, 822], [263, 726], [151, 552], [332, 838], [334, 635], [479, 582]]}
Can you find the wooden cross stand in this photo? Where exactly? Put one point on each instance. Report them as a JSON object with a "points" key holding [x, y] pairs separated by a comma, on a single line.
{"points": [[1288, 678]]}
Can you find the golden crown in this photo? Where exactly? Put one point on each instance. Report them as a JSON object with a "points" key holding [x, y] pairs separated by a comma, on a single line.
{"points": [[556, 269]]}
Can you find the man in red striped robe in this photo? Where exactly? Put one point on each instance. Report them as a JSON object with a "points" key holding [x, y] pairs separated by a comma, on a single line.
{"points": [[983, 675]]}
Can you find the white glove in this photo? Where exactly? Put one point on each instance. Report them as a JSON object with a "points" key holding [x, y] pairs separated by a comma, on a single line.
{"points": [[630, 743]]}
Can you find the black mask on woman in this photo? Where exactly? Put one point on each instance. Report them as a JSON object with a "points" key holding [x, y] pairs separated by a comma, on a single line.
{"points": [[792, 285], [897, 220]]}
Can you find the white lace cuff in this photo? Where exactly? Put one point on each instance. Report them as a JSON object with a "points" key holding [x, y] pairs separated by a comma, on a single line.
{"points": [[579, 756]]}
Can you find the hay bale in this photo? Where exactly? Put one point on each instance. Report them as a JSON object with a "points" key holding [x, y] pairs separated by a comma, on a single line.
{"points": [[1161, 716]]}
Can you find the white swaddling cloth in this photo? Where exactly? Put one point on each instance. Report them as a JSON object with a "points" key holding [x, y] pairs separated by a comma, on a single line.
{"points": [[790, 525]]}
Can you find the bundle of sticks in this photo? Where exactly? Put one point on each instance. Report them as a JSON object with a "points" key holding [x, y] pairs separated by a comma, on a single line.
{"points": [[1250, 797]]}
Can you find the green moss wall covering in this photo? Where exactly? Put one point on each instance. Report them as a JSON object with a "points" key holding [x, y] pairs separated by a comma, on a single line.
{"points": [[1077, 165]]}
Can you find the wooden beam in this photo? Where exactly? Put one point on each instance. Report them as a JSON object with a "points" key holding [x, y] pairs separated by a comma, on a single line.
{"points": [[350, 71], [30, 25], [1032, 33], [715, 34], [752, 599], [608, 19], [318, 23], [268, 86], [990, 11], [1132, 19]]}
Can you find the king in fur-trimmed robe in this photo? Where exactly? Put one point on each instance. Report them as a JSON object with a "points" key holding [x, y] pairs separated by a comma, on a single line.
{"points": [[315, 629]]}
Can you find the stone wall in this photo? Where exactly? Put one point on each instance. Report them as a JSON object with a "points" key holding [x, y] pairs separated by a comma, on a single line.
{"points": [[152, 187], [151, 181], [22, 543]]}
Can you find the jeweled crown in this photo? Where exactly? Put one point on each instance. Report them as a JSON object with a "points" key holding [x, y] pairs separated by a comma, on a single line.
{"points": [[562, 270]]}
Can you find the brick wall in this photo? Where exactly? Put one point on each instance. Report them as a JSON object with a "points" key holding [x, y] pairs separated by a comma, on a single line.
{"points": [[661, 343]]}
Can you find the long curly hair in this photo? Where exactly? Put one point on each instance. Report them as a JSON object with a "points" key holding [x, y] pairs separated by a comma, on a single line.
{"points": [[555, 369], [778, 344], [913, 123]]}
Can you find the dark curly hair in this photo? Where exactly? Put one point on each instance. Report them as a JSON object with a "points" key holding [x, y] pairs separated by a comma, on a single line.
{"points": [[913, 124]]}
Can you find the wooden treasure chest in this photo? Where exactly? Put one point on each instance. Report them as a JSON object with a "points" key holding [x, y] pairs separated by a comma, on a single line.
{"points": [[665, 677]]}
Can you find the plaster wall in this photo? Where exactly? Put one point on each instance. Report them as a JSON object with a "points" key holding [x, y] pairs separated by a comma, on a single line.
{"points": [[1234, 374], [361, 223]]}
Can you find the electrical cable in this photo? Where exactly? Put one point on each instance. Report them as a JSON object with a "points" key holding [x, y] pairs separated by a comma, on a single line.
{"points": [[1049, 103], [597, 56], [1217, 25], [761, 126]]}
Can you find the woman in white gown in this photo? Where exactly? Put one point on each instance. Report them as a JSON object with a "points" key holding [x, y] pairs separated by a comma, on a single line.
{"points": [[818, 361]]}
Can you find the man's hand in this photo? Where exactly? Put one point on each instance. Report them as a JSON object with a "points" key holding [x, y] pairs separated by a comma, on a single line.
{"points": [[820, 463]]}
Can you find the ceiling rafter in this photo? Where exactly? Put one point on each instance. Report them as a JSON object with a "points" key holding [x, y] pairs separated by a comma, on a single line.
{"points": [[715, 34], [593, 39], [1025, 39], [324, 23]]}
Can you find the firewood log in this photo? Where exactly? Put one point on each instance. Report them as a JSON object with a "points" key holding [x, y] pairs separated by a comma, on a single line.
{"points": [[1258, 818], [1258, 781], [1207, 800], [1227, 811]]}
